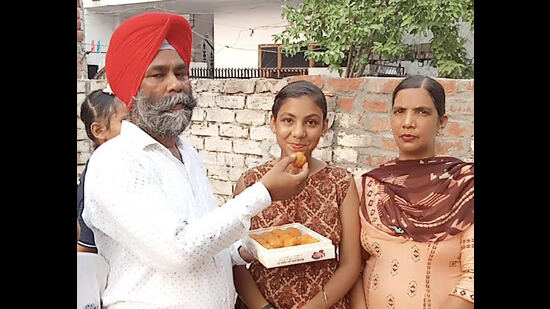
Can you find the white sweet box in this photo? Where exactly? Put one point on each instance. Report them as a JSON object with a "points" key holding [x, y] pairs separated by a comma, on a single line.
{"points": [[296, 254]]}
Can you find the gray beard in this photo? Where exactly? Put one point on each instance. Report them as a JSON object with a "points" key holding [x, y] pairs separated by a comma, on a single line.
{"points": [[158, 119]]}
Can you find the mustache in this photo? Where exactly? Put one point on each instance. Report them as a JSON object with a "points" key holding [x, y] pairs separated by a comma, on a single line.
{"points": [[167, 103], [158, 118]]}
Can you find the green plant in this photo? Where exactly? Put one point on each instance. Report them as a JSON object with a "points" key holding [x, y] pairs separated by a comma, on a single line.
{"points": [[350, 32]]}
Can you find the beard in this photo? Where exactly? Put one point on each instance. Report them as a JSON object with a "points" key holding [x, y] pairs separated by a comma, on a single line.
{"points": [[158, 119]]}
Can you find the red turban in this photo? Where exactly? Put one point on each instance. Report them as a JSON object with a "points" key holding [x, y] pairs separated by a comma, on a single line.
{"points": [[134, 45]]}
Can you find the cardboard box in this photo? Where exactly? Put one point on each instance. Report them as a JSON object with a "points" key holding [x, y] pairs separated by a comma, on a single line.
{"points": [[276, 257]]}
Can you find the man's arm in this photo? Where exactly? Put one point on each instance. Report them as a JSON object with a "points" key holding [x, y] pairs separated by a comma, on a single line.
{"points": [[139, 216]]}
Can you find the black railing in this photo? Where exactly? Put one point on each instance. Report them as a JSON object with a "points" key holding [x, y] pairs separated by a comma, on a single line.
{"points": [[383, 70], [245, 73]]}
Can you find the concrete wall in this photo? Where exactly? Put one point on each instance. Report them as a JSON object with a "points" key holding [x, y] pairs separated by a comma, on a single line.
{"points": [[81, 68], [230, 125]]}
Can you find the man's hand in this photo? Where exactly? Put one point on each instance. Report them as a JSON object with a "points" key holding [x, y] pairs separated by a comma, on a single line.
{"points": [[281, 184]]}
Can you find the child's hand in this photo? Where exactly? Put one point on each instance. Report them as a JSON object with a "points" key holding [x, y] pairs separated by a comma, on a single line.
{"points": [[246, 255]]}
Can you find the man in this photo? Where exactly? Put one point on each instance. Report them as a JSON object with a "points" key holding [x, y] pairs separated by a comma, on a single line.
{"points": [[147, 197]]}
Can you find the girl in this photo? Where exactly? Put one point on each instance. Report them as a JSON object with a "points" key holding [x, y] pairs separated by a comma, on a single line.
{"points": [[328, 205], [102, 115]]}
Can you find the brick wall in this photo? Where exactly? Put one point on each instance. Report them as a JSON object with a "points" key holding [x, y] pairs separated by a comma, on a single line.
{"points": [[81, 66], [230, 125]]}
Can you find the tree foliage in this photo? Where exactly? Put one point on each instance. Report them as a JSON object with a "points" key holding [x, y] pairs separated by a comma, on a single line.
{"points": [[355, 29]]}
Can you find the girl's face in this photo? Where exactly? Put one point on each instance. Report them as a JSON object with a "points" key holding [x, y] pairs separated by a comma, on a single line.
{"points": [[99, 128], [415, 123], [115, 122], [299, 126]]}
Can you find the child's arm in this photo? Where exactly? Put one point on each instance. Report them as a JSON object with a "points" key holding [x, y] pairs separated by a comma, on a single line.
{"points": [[357, 295], [349, 268], [247, 289]]}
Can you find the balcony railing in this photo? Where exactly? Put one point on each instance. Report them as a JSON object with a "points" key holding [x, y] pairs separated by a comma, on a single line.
{"points": [[245, 73], [386, 70]]}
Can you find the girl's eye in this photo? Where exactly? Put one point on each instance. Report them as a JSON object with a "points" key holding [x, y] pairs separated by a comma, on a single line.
{"points": [[312, 122], [287, 120], [398, 111]]}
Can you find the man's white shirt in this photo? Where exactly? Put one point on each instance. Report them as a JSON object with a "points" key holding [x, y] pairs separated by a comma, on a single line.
{"points": [[159, 226]]}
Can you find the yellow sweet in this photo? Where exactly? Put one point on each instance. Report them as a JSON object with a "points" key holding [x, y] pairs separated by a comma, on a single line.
{"points": [[278, 238], [292, 231], [300, 159]]}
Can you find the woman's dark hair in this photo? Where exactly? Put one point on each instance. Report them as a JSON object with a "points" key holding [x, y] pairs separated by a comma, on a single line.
{"points": [[296, 90], [434, 88], [97, 106]]}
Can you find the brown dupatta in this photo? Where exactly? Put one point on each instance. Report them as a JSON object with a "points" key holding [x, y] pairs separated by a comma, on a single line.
{"points": [[426, 200]]}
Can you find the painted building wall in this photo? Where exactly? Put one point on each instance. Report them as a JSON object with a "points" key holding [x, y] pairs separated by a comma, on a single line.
{"points": [[236, 43]]}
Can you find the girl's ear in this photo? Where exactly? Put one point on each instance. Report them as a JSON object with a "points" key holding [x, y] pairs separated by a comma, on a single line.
{"points": [[98, 130]]}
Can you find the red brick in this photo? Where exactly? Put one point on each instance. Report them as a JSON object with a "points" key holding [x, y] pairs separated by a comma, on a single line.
{"points": [[448, 84], [461, 109], [375, 106], [470, 86], [389, 143], [444, 148], [317, 80], [379, 124], [344, 84], [459, 129], [346, 104], [80, 36], [390, 85], [78, 24]]}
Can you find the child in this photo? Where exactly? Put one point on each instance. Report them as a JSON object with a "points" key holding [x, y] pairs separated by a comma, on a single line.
{"points": [[328, 205], [102, 115]]}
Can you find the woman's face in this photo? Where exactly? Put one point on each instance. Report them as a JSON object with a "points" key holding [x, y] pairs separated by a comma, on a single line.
{"points": [[299, 126], [415, 123]]}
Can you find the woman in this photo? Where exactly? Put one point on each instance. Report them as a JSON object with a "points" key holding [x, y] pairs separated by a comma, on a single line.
{"points": [[417, 213], [328, 205]]}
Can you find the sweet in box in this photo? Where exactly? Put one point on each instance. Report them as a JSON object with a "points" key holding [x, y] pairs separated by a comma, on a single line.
{"points": [[322, 249]]}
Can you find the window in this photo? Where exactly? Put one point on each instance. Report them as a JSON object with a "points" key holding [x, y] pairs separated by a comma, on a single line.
{"points": [[271, 56]]}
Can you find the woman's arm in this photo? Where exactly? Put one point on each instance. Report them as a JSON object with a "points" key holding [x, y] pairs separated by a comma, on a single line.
{"points": [[455, 302], [462, 295], [357, 295], [349, 267], [244, 283]]}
